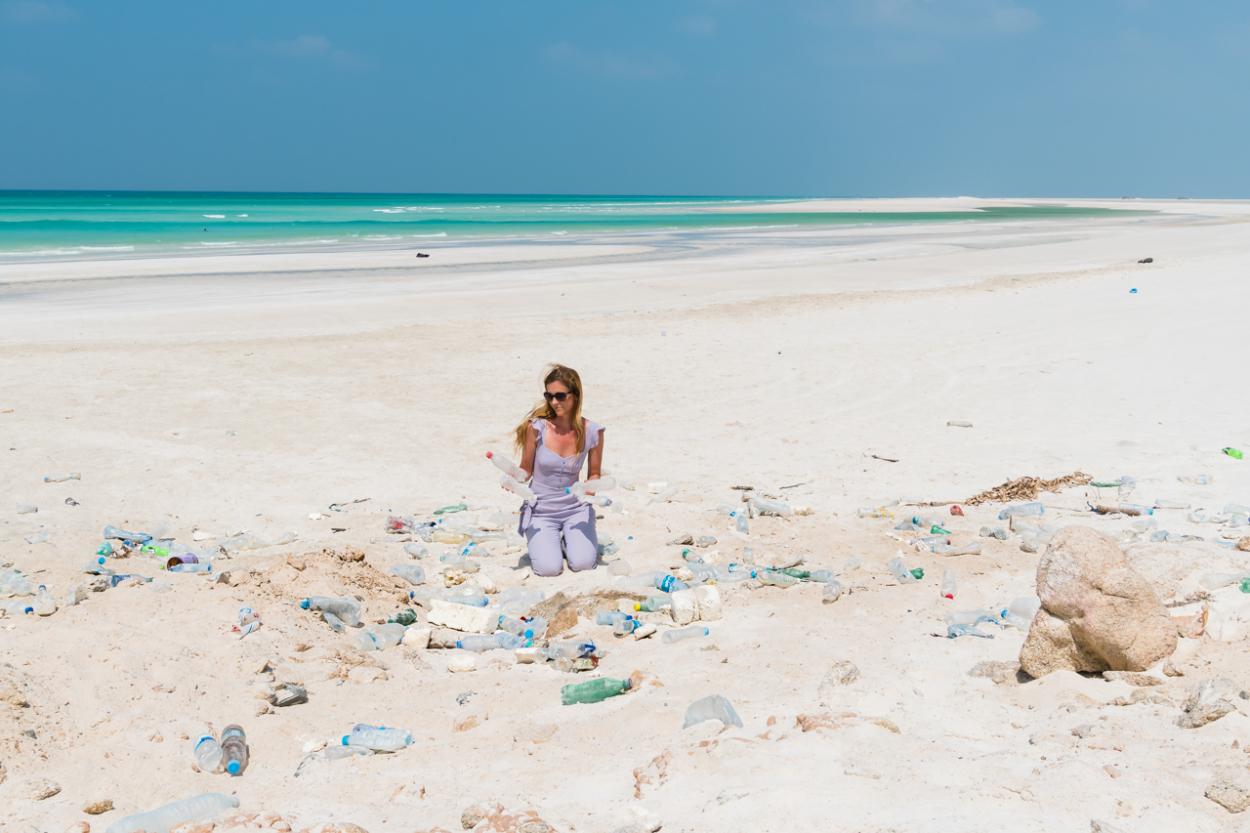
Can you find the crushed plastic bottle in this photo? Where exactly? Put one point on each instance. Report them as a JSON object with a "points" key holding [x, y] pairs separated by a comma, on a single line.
{"points": [[1200, 518], [832, 592], [249, 620], [741, 522], [39, 537], [765, 506], [993, 532], [880, 512], [411, 573], [1214, 581], [593, 691], [823, 576], [378, 738], [1023, 509], [671, 636], [1127, 485], [197, 808], [61, 478], [1162, 503], [1236, 509], [345, 609], [956, 631], [207, 752], [1197, 479], [489, 642], [714, 707], [234, 751], [603, 484], [851, 565], [948, 588], [120, 534], [13, 583]]}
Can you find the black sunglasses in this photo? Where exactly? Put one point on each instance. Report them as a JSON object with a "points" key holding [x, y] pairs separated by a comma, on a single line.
{"points": [[559, 397]]}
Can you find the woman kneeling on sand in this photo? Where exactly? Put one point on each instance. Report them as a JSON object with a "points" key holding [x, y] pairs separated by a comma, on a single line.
{"points": [[555, 440]]}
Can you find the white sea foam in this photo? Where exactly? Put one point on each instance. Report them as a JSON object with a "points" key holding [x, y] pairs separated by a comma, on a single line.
{"points": [[107, 248], [215, 216], [40, 253], [440, 234], [389, 210], [242, 215], [381, 237]]}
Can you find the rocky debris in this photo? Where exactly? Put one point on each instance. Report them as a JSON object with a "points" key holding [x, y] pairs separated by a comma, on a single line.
{"points": [[9, 694], [95, 808], [470, 722], [477, 813], [540, 733], [1132, 678], [1243, 545], [79, 827], [1232, 797], [1097, 613], [1170, 670], [638, 819], [1097, 826], [38, 789], [1142, 695], [333, 827], [523, 822], [999, 672], [839, 674], [685, 540], [1209, 701]]}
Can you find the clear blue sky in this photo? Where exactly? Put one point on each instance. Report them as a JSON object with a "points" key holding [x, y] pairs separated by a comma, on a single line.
{"points": [[758, 97]]}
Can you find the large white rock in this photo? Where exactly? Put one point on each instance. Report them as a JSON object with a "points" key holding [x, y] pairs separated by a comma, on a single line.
{"points": [[463, 617]]}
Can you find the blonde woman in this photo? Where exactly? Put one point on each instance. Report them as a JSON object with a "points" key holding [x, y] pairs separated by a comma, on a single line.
{"points": [[555, 442]]}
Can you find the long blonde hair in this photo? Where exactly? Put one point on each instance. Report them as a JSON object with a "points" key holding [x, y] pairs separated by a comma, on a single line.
{"points": [[569, 378]]}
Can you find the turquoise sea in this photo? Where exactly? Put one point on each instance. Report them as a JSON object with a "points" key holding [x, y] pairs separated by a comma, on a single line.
{"points": [[41, 225]]}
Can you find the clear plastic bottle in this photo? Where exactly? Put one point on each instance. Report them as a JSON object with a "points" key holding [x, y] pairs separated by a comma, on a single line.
{"points": [[880, 512], [1198, 479], [460, 562], [669, 584], [1127, 485], [27, 508], [1214, 581], [851, 565], [379, 739], [61, 478], [1144, 525], [624, 627], [743, 525], [416, 550], [948, 585], [39, 537], [1025, 607], [506, 466], [570, 650], [17, 607], [411, 573], [1200, 518], [900, 572], [44, 604], [345, 609], [200, 567], [1135, 509], [832, 592], [993, 532], [197, 808], [16, 584], [446, 536], [519, 489], [823, 576], [1236, 509], [234, 751], [1023, 509], [581, 487], [207, 753], [969, 617], [655, 604], [727, 509], [972, 548], [610, 617], [490, 642], [665, 495], [671, 636], [1163, 503], [764, 506], [956, 631], [775, 578]]}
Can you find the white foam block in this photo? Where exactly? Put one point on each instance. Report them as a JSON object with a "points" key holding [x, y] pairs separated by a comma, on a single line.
{"points": [[708, 598]]}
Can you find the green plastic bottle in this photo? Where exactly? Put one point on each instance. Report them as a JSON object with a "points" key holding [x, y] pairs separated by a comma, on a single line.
{"points": [[152, 549], [937, 530], [795, 572], [593, 691], [776, 578], [918, 573], [1235, 453], [451, 510]]}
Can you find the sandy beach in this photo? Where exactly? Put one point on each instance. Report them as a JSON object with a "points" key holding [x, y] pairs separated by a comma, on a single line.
{"points": [[245, 393]]}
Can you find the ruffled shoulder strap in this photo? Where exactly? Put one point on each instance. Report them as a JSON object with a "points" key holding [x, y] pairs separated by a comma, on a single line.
{"points": [[540, 425], [594, 433]]}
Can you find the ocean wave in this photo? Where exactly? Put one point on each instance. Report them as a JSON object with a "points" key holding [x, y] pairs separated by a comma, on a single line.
{"points": [[215, 216], [389, 210], [242, 215], [41, 253], [107, 248], [215, 245], [440, 234], [381, 237]]}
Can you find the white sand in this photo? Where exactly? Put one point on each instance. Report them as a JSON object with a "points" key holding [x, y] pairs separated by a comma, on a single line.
{"points": [[232, 394]]}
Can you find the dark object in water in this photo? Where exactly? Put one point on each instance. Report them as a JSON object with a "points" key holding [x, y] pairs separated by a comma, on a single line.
{"points": [[422, 254], [1143, 260]]}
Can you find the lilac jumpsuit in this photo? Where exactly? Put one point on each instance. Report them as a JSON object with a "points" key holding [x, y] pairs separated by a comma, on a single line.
{"points": [[555, 513]]}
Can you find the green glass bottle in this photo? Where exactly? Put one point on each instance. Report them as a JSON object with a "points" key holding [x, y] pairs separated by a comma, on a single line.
{"points": [[593, 691]]}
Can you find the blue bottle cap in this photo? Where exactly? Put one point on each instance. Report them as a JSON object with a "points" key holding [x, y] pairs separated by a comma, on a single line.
{"points": [[304, 604], [233, 767], [458, 645], [347, 740], [529, 634]]}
